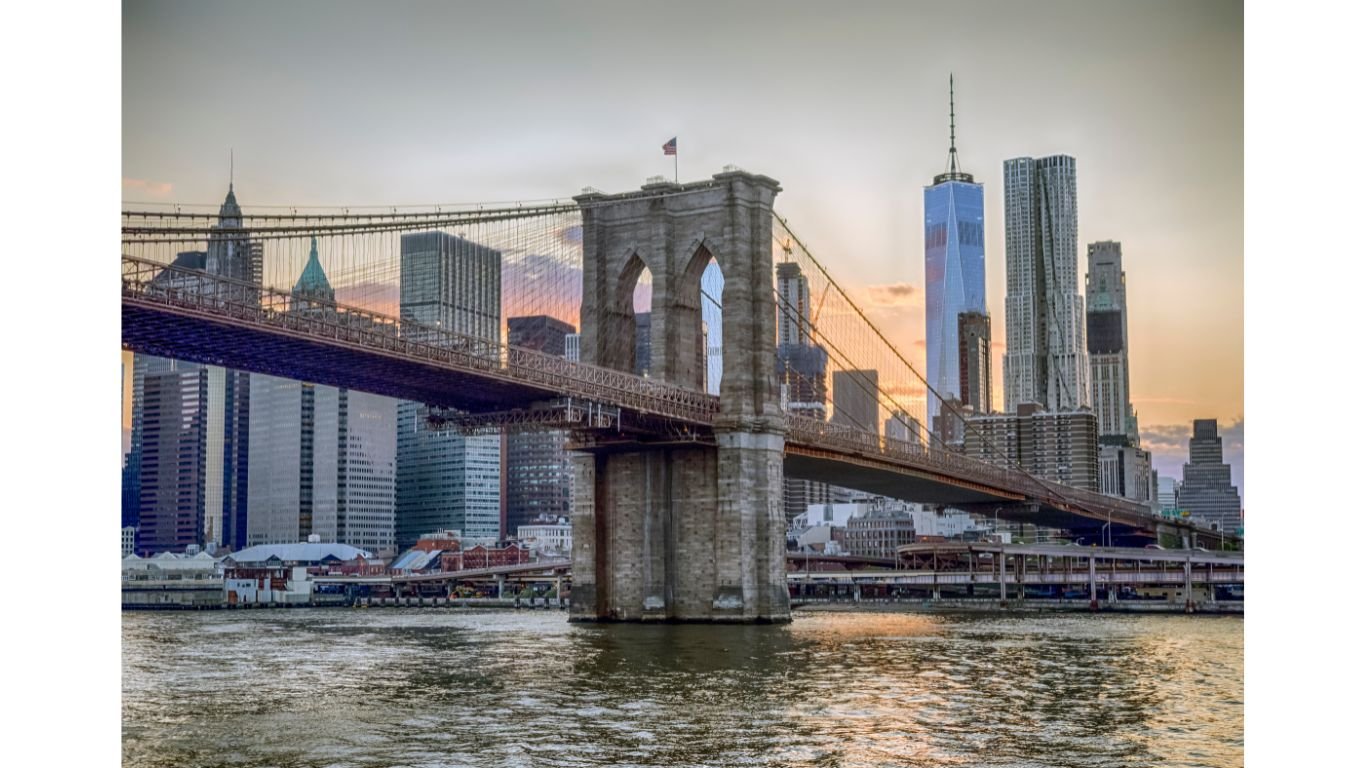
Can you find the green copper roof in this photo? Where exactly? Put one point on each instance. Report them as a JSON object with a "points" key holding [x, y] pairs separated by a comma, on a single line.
{"points": [[313, 281]]}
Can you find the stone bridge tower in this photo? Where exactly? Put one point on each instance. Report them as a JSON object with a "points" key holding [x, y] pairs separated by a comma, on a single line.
{"points": [[684, 531]]}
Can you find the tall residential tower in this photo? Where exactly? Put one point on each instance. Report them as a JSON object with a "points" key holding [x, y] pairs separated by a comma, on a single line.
{"points": [[1045, 360]]}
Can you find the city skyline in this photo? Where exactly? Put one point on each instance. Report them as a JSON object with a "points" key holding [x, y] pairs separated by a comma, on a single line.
{"points": [[852, 171]]}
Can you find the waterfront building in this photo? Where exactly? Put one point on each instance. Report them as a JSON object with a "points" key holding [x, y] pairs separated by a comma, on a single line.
{"points": [[321, 460], [879, 531], [552, 537], [1045, 360], [446, 480], [955, 267], [537, 479], [1207, 492], [1058, 446], [943, 522]]}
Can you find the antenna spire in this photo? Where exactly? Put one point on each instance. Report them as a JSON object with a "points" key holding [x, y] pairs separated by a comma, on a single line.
{"points": [[231, 168], [953, 143]]}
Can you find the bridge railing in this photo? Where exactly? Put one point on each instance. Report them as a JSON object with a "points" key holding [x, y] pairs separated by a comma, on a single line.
{"points": [[314, 317]]}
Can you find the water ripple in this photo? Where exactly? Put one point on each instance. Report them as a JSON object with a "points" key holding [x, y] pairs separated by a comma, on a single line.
{"points": [[451, 688]]}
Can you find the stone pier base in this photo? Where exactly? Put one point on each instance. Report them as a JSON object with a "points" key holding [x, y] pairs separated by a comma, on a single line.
{"points": [[687, 534]]}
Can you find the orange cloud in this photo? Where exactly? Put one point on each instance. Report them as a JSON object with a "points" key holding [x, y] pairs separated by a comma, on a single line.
{"points": [[147, 188], [893, 295]]}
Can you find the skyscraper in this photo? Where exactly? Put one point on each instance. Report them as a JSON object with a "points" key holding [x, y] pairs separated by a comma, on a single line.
{"points": [[1206, 489], [537, 479], [856, 400], [642, 344], [192, 418], [1107, 340], [794, 306], [446, 480], [801, 369], [974, 360], [1045, 360], [321, 459], [955, 267]]}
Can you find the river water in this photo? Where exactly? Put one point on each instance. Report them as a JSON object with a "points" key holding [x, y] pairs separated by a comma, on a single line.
{"points": [[443, 687]]}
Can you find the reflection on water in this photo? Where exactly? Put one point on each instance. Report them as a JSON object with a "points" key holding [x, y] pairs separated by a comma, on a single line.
{"points": [[339, 687]]}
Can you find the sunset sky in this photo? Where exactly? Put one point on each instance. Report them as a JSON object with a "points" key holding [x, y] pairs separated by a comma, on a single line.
{"points": [[844, 103]]}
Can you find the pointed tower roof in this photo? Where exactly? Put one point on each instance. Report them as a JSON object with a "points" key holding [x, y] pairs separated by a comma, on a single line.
{"points": [[313, 281], [229, 209]]}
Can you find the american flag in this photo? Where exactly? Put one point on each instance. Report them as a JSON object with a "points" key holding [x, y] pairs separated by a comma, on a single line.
{"points": [[671, 146]]}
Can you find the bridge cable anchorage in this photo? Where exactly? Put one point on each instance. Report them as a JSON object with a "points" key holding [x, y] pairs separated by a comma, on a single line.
{"points": [[1048, 492]]}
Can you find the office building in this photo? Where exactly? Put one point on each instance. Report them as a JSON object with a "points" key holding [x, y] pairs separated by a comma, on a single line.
{"points": [[445, 479], [1107, 341], [537, 480], [1206, 490], [322, 460], [642, 344], [974, 361], [904, 427], [1045, 360], [856, 400], [1126, 471], [185, 475], [1166, 493], [571, 347], [955, 268]]}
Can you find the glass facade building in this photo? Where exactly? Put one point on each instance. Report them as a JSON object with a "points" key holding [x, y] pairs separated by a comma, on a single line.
{"points": [[955, 276], [446, 480]]}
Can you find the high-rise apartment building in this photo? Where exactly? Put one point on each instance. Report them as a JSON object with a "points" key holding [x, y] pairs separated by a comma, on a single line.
{"points": [[1206, 490], [974, 361], [321, 459], [1054, 445], [955, 267], [1045, 360], [537, 479], [446, 480]]}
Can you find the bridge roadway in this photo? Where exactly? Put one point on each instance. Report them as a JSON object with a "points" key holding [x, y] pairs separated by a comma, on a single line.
{"points": [[190, 315]]}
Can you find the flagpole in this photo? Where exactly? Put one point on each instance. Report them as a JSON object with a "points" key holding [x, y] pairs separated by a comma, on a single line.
{"points": [[675, 164]]}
